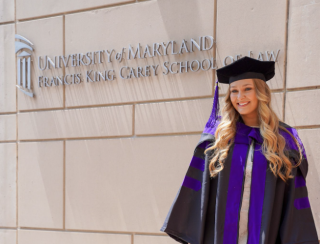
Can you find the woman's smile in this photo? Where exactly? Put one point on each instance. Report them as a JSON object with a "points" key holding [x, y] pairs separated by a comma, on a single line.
{"points": [[243, 104]]}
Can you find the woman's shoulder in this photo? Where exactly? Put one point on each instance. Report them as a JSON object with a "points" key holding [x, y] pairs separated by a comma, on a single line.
{"points": [[290, 138], [291, 145], [281, 123], [287, 128]]}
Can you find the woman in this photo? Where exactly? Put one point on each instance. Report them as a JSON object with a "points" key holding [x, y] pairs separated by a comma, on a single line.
{"points": [[246, 182]]}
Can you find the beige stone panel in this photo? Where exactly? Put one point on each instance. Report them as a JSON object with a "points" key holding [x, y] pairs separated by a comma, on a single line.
{"points": [[145, 23], [277, 104], [124, 184], [242, 27], [6, 10], [311, 141], [7, 69], [55, 237], [75, 123], [8, 236], [40, 184], [144, 239], [7, 185], [182, 116], [47, 38], [8, 127], [173, 117], [26, 9], [302, 108], [303, 44]]}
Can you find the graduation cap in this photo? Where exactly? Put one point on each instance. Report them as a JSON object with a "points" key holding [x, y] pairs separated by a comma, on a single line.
{"points": [[244, 68]]}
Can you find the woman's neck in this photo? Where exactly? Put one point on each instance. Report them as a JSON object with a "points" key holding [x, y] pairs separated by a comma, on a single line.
{"points": [[252, 121]]}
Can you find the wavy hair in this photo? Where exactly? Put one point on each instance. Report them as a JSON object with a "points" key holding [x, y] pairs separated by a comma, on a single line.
{"points": [[274, 144]]}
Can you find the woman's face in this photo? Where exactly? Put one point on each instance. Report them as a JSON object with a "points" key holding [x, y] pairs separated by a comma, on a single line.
{"points": [[243, 97]]}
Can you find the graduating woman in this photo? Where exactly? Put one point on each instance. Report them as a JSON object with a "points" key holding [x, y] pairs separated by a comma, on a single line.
{"points": [[246, 182]]}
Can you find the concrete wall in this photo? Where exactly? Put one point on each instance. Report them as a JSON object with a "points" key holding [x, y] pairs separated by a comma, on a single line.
{"points": [[101, 162]]}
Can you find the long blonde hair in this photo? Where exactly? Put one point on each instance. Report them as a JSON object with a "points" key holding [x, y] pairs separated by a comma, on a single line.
{"points": [[273, 147]]}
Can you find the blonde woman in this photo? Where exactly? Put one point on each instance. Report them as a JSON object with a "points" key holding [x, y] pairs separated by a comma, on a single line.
{"points": [[246, 182]]}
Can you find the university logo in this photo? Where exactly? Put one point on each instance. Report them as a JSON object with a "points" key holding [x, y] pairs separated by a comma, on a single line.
{"points": [[23, 46]]}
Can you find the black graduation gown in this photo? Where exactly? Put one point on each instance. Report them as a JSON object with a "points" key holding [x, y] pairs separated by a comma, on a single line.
{"points": [[206, 210]]}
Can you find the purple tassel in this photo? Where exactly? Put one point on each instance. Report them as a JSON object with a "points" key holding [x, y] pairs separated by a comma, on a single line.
{"points": [[214, 116], [215, 108]]}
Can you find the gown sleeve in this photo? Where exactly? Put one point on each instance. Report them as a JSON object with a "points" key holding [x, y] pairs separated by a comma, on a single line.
{"points": [[297, 223], [186, 218]]}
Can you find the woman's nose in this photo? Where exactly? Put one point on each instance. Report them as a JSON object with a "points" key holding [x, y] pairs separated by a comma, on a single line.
{"points": [[240, 95]]}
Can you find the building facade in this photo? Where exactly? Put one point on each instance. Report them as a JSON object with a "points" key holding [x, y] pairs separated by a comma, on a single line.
{"points": [[103, 102]]}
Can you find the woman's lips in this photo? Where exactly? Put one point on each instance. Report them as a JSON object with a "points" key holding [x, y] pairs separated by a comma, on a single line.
{"points": [[243, 104]]}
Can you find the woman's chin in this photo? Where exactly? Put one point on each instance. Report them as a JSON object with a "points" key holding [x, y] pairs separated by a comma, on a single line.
{"points": [[244, 111]]}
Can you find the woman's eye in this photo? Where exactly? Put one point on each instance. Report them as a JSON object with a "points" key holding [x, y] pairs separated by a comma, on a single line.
{"points": [[234, 91], [247, 89]]}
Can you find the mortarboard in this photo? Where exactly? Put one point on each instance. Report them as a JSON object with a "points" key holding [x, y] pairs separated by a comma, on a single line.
{"points": [[243, 68], [246, 68]]}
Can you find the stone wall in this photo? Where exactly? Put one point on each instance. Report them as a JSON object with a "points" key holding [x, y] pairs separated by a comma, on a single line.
{"points": [[101, 162]]}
